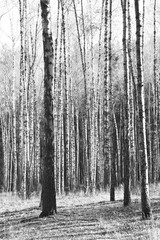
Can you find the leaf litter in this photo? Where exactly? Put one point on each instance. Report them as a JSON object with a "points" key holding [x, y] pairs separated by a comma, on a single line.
{"points": [[78, 217]]}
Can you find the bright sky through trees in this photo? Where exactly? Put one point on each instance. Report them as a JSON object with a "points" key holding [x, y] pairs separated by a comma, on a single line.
{"points": [[9, 14]]}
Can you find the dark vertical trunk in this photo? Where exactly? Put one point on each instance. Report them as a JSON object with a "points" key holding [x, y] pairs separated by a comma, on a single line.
{"points": [[48, 185], [113, 165], [112, 142], [127, 197]]}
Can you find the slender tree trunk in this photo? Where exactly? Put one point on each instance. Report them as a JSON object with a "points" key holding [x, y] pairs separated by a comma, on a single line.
{"points": [[112, 142], [98, 117], [131, 117], [117, 167], [155, 104], [145, 200], [23, 127], [106, 111], [57, 105], [127, 195], [14, 144], [2, 159], [150, 132], [77, 146], [66, 108], [5, 161]]}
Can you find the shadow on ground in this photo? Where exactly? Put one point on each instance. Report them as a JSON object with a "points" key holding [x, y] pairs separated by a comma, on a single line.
{"points": [[102, 220]]}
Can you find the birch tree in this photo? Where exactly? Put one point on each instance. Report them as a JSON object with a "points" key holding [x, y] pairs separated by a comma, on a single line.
{"points": [[106, 110], [155, 102], [145, 200], [23, 115]]}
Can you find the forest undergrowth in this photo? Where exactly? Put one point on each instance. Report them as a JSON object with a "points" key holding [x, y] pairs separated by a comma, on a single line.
{"points": [[80, 216]]}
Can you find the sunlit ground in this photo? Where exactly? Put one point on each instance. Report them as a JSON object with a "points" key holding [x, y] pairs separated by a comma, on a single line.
{"points": [[80, 216]]}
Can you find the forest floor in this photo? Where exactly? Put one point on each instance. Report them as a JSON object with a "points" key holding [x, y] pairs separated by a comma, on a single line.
{"points": [[79, 217]]}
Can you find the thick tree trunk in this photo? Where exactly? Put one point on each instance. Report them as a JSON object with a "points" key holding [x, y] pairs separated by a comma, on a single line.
{"points": [[48, 184]]}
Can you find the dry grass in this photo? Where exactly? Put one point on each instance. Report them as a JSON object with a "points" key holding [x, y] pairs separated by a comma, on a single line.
{"points": [[80, 217]]}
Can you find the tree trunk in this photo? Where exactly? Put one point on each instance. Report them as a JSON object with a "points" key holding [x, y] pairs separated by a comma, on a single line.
{"points": [[106, 111], [127, 196], [23, 117], [2, 165], [14, 188], [48, 184], [155, 104], [145, 200], [66, 108]]}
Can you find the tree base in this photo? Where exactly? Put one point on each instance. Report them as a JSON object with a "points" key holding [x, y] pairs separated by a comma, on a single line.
{"points": [[146, 216], [46, 214]]}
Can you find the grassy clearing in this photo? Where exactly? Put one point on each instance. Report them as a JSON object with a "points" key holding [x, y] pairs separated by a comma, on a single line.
{"points": [[80, 217]]}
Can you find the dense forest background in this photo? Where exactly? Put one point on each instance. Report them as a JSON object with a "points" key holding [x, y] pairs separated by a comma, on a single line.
{"points": [[97, 126]]}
